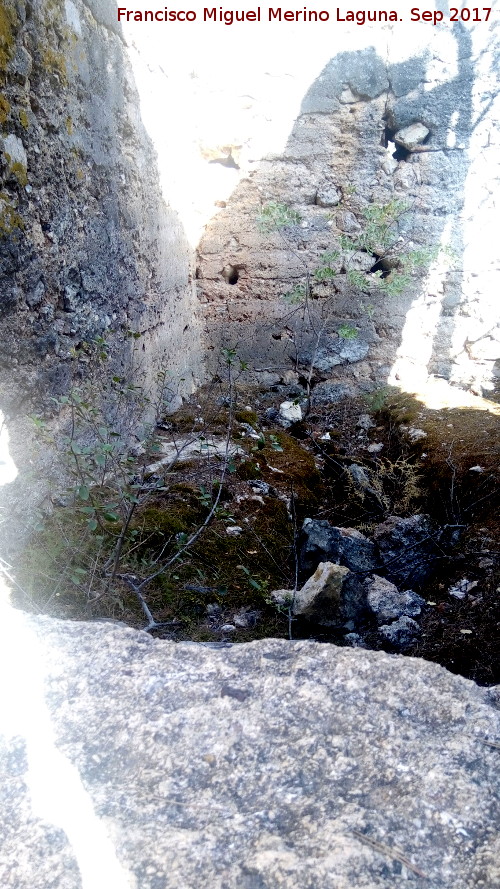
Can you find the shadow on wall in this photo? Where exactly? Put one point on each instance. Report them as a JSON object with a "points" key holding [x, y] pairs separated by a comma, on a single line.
{"points": [[88, 248], [346, 153]]}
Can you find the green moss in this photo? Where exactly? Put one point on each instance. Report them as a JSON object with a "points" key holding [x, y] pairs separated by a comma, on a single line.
{"points": [[159, 522], [23, 119], [247, 417], [55, 63], [297, 464], [20, 172], [249, 469], [10, 220], [69, 126], [8, 26], [4, 108]]}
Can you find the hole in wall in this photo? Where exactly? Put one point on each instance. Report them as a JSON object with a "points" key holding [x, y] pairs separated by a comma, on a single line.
{"points": [[387, 140], [231, 274], [381, 265]]}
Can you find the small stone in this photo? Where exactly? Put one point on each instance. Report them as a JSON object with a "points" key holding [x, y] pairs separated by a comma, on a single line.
{"points": [[289, 413], [228, 628], [331, 597], [375, 448], [485, 563], [234, 530], [413, 433], [365, 422], [411, 137], [401, 633], [328, 196], [460, 589], [388, 603], [407, 548], [476, 469]]}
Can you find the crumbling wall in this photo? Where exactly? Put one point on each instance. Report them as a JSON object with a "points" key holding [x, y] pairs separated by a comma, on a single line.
{"points": [[88, 247], [346, 153]]}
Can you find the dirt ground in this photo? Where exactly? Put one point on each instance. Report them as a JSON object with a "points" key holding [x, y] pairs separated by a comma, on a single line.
{"points": [[442, 461]]}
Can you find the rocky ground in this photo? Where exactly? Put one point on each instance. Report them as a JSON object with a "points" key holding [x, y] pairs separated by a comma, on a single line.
{"points": [[395, 502]]}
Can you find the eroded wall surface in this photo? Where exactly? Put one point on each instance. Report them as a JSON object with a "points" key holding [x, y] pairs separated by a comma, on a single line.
{"points": [[340, 159], [89, 248]]}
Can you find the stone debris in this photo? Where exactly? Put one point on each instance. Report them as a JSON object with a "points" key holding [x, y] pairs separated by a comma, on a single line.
{"points": [[413, 433], [322, 542], [289, 413], [269, 764], [234, 530], [332, 596], [411, 137], [401, 633], [365, 422], [407, 548], [387, 603], [460, 589]]}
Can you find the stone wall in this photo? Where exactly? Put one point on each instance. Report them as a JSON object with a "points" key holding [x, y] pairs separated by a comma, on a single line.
{"points": [[341, 158], [89, 247]]}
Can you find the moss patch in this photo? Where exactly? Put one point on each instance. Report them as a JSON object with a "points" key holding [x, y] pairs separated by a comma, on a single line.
{"points": [[4, 108], [8, 27], [10, 220]]}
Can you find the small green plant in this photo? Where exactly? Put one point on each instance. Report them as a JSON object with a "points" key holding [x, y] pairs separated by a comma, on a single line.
{"points": [[273, 443], [347, 332], [275, 215]]}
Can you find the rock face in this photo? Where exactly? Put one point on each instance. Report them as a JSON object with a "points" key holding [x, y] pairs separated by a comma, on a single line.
{"points": [[88, 246], [130, 763]]}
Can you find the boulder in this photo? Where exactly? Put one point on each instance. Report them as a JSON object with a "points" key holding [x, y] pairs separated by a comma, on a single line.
{"points": [[134, 763], [324, 542], [333, 596], [407, 548], [387, 603]]}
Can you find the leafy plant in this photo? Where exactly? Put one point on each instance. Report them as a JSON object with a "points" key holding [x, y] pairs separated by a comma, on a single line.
{"points": [[275, 215], [347, 332]]}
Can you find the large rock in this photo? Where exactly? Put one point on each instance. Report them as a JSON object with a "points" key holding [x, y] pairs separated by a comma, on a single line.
{"points": [[333, 596], [323, 542], [407, 548], [133, 763]]}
